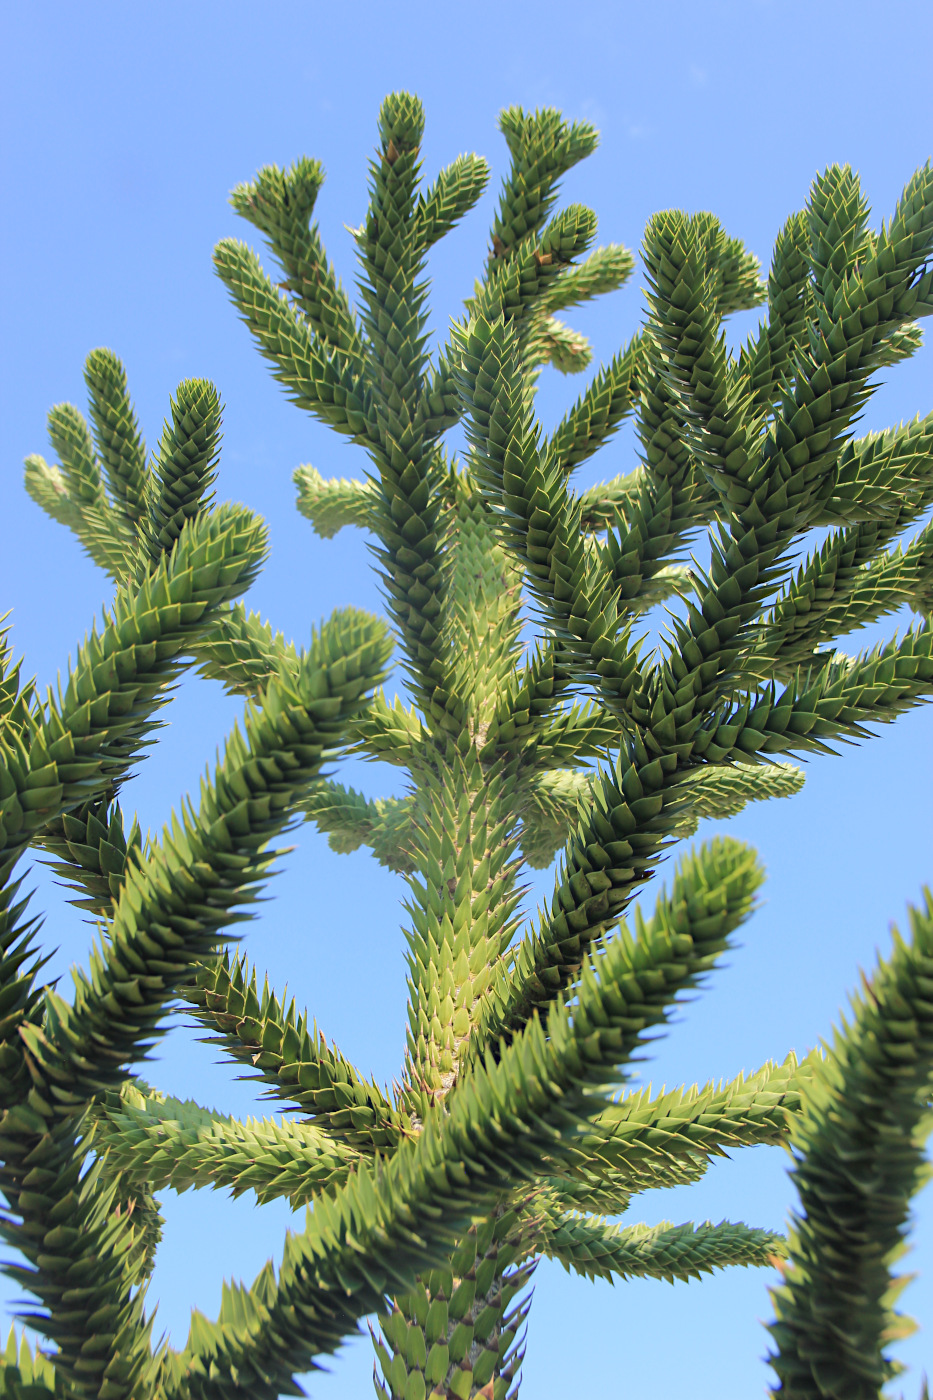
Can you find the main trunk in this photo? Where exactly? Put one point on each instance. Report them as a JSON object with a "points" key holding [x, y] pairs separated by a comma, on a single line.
{"points": [[458, 1333]]}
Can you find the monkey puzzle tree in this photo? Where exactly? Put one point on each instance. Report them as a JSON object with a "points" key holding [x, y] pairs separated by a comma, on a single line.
{"points": [[504, 1139]]}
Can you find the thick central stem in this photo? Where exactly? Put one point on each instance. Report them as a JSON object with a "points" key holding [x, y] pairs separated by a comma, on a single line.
{"points": [[457, 1334], [462, 913]]}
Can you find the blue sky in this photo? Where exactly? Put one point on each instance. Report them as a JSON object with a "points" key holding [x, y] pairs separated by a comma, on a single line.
{"points": [[124, 128]]}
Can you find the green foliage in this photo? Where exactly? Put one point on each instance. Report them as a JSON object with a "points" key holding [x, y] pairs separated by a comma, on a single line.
{"points": [[859, 1158], [27, 1374], [504, 1138], [664, 1251], [296, 1063], [152, 1142]]}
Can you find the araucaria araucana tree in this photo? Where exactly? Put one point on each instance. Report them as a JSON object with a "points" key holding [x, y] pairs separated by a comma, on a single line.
{"points": [[505, 1138]]}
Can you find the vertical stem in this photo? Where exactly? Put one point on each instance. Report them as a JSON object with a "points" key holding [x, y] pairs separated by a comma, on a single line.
{"points": [[462, 910], [457, 1334]]}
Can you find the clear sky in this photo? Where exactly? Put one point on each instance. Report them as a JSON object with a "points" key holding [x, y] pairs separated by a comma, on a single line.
{"points": [[123, 129]]}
